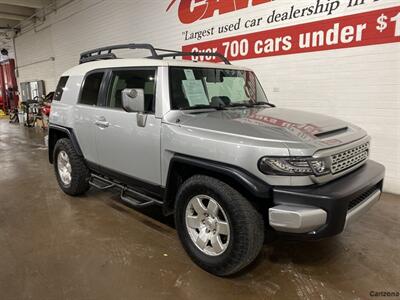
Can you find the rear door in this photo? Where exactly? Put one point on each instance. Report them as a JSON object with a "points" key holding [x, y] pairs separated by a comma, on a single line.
{"points": [[87, 113], [125, 149]]}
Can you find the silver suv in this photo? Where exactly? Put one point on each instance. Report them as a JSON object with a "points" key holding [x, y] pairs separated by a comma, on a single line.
{"points": [[202, 141]]}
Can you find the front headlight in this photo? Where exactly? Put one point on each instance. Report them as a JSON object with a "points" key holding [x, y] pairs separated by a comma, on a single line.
{"points": [[287, 166]]}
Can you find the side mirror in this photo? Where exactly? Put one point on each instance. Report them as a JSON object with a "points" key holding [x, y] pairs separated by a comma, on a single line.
{"points": [[133, 100]]}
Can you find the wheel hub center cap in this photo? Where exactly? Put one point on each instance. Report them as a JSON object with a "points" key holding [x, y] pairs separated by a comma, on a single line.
{"points": [[210, 223]]}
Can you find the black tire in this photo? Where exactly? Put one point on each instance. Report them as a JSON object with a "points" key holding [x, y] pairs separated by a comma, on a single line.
{"points": [[80, 174], [245, 222]]}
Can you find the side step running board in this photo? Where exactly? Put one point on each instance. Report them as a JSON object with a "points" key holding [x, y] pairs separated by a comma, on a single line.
{"points": [[127, 195]]}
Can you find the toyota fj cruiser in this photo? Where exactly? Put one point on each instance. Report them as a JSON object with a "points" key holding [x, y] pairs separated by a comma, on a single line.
{"points": [[202, 141]]}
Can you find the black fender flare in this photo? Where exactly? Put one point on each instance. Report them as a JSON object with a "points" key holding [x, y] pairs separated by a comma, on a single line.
{"points": [[247, 181], [53, 130]]}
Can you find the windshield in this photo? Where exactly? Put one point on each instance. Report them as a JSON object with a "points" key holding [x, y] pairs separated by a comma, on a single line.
{"points": [[203, 87]]}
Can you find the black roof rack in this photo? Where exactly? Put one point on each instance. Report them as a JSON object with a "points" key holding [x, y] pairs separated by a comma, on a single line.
{"points": [[106, 53]]}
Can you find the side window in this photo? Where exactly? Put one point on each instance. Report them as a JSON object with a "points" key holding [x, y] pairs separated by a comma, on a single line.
{"points": [[60, 88], [91, 89], [132, 79]]}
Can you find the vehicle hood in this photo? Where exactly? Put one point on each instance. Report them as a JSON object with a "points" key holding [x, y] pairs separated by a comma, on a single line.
{"points": [[297, 129]]}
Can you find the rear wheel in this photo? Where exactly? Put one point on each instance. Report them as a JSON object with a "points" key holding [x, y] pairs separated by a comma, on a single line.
{"points": [[71, 171], [219, 228]]}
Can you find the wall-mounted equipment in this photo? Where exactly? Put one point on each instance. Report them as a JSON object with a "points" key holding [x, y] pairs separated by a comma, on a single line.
{"points": [[32, 89]]}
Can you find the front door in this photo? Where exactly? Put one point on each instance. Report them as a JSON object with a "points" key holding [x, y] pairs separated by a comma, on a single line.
{"points": [[124, 147]]}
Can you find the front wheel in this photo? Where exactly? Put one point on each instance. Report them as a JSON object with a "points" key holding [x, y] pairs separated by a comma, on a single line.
{"points": [[219, 228]]}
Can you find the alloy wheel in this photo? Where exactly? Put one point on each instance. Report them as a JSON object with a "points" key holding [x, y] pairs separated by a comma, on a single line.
{"points": [[64, 167], [207, 225]]}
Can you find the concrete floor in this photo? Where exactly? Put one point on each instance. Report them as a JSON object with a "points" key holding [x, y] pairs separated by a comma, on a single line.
{"points": [[53, 246]]}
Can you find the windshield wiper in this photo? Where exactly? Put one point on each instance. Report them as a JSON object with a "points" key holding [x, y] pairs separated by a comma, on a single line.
{"points": [[239, 104], [202, 106], [223, 107], [263, 103], [249, 104]]}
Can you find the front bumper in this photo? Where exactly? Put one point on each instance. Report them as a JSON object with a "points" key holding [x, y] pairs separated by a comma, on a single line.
{"points": [[319, 211]]}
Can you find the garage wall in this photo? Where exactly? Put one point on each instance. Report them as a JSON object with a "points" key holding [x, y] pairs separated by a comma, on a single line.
{"points": [[34, 52], [360, 84]]}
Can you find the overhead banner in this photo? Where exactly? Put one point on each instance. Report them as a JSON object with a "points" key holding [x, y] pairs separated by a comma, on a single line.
{"points": [[370, 28]]}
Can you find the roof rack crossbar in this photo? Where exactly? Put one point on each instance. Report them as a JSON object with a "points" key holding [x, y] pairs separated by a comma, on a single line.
{"points": [[97, 57], [174, 54], [97, 54]]}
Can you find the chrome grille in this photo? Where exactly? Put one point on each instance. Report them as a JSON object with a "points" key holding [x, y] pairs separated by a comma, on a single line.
{"points": [[349, 158]]}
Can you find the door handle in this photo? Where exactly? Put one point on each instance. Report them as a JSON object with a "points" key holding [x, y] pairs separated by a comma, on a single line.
{"points": [[102, 123]]}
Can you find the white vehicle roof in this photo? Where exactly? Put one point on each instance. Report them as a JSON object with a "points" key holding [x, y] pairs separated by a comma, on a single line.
{"points": [[82, 69]]}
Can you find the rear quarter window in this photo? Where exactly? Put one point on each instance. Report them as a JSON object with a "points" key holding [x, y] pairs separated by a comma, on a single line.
{"points": [[91, 89], [60, 88]]}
